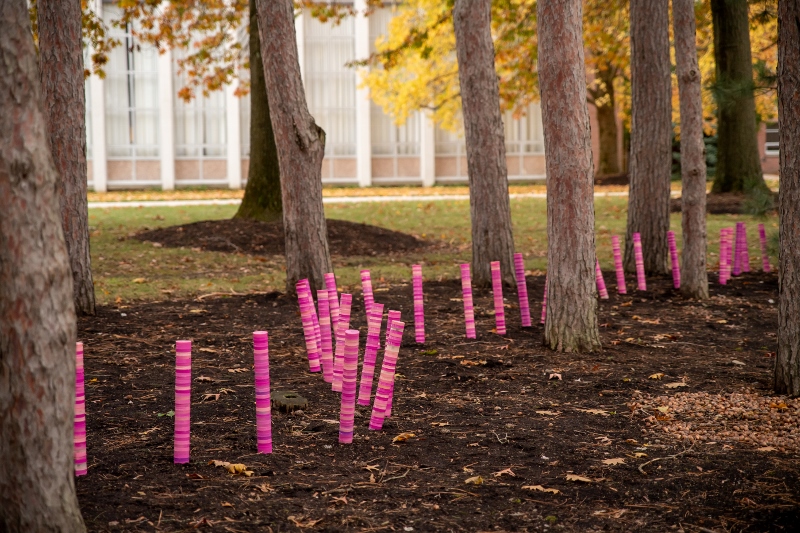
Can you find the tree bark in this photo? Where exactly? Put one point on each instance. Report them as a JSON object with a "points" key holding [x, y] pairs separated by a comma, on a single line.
{"points": [[492, 238], [301, 147], [651, 135], [605, 105], [738, 163], [571, 322], [262, 196], [37, 314], [787, 362], [64, 105], [694, 279]]}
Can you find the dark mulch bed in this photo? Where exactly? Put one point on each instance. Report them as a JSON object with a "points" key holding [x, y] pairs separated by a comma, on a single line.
{"points": [[611, 179], [480, 407], [261, 238], [726, 203]]}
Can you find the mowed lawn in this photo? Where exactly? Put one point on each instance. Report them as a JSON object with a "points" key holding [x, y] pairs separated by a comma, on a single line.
{"points": [[126, 269]]}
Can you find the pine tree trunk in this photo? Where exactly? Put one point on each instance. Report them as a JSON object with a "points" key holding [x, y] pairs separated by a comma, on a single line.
{"points": [[301, 147], [738, 164], [492, 238], [64, 101], [262, 196], [651, 135], [694, 279], [787, 363], [571, 323], [607, 125], [37, 314]]}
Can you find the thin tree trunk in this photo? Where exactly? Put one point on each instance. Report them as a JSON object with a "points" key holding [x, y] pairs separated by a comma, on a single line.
{"points": [[787, 362], [301, 147], [64, 101], [738, 163], [694, 279], [37, 314], [651, 135], [607, 124], [492, 238], [262, 196], [571, 323]]}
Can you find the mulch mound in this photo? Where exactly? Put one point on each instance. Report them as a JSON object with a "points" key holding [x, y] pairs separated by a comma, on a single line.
{"points": [[611, 179], [726, 203], [261, 238]]}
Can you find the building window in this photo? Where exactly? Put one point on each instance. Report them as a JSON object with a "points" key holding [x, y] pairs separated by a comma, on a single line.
{"points": [[773, 139]]}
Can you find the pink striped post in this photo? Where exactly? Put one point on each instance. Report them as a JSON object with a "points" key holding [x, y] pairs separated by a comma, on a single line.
{"points": [[263, 400], [344, 325], [618, 265], [466, 291], [497, 292], [745, 250], [637, 253], [723, 255], [522, 290], [326, 345], [79, 422], [601, 282], [673, 256], [347, 412], [374, 321], [762, 235], [390, 319], [419, 308], [737, 251], [729, 253], [314, 317], [366, 290], [544, 301], [183, 400], [306, 310], [386, 379], [333, 299]]}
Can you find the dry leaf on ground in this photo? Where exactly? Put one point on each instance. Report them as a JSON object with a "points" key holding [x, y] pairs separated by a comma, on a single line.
{"points": [[676, 385], [614, 461], [582, 479], [555, 375], [541, 489], [548, 413], [595, 411], [475, 480], [657, 375], [402, 437]]}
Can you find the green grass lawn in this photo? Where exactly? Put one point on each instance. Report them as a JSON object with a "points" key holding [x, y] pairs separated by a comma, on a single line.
{"points": [[127, 270]]}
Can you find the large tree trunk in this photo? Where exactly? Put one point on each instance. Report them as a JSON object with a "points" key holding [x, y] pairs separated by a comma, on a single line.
{"points": [[787, 363], [571, 323], [492, 238], [651, 135], [37, 314], [262, 196], [64, 101], [694, 279], [301, 147], [738, 164], [607, 123]]}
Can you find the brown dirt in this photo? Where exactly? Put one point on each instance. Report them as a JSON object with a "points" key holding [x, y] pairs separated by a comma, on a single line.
{"points": [[727, 203], [611, 179], [483, 407], [261, 238]]}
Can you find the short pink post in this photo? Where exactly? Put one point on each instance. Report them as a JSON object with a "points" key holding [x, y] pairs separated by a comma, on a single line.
{"points": [[466, 292], [762, 235], [601, 282], [737, 252], [723, 255], [386, 379], [497, 292], [392, 316], [350, 370], [522, 290], [618, 265], [366, 290], [374, 320], [544, 301], [745, 250], [263, 401], [344, 325], [673, 255], [326, 345], [419, 308], [333, 299], [637, 254], [306, 310], [79, 423], [183, 400]]}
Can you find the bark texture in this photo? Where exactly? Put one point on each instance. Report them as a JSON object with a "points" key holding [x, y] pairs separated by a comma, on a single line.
{"points": [[64, 106], [492, 238], [787, 362], [602, 97], [651, 135], [694, 279], [738, 164], [37, 314], [301, 147], [262, 196], [571, 323]]}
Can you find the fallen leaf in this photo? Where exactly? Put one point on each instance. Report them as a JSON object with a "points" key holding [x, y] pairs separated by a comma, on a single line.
{"points": [[626, 304], [303, 525], [614, 461], [555, 376], [547, 413], [595, 411], [676, 385], [766, 449], [210, 397], [209, 350], [779, 406], [371, 477], [203, 379], [541, 489], [139, 280], [639, 455], [610, 513], [194, 476], [467, 362], [196, 311], [722, 321], [655, 321], [239, 371], [507, 471], [227, 504], [264, 487], [657, 375], [440, 424], [402, 437], [582, 479], [475, 480], [235, 468], [664, 409], [736, 362]]}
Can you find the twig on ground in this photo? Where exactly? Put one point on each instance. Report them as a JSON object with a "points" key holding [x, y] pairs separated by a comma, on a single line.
{"points": [[641, 466]]}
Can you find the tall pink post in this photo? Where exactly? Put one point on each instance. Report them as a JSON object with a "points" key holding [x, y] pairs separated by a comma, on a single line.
{"points": [[392, 316], [314, 317], [737, 252], [522, 290], [306, 311], [601, 282], [673, 255], [350, 370], [325, 342], [637, 254], [333, 299], [386, 379], [729, 251], [374, 320], [419, 308], [745, 250], [618, 265], [366, 290], [497, 292], [723, 255], [466, 292], [263, 401], [344, 325], [762, 235], [544, 302], [79, 423], [183, 400]]}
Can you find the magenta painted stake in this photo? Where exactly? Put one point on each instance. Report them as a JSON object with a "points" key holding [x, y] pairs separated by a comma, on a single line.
{"points": [[366, 289], [673, 255], [762, 235], [544, 302], [325, 343], [497, 292], [745, 250], [374, 320], [392, 316], [306, 310], [350, 370], [723, 255], [466, 291], [183, 400], [618, 265], [263, 401], [386, 379], [729, 253], [601, 282], [419, 308], [637, 253], [79, 423], [333, 299], [344, 325], [737, 251], [522, 291]]}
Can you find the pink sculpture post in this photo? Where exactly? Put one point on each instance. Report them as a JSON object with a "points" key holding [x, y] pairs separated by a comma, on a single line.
{"points": [[723, 255], [344, 325], [762, 235], [79, 422], [522, 290], [729, 253], [737, 252], [333, 299], [673, 255], [263, 401], [386, 379], [314, 317], [374, 320], [392, 316], [183, 400], [637, 254], [349, 374], [497, 291], [601, 282], [325, 342], [366, 290], [544, 301], [745, 250], [469, 310], [306, 310], [618, 265], [419, 308]]}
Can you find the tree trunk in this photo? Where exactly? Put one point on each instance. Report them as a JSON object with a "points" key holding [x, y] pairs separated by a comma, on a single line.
{"points": [[738, 163], [571, 322], [607, 124], [262, 196], [651, 135], [64, 106], [492, 238], [37, 314], [694, 279], [787, 362], [301, 147]]}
